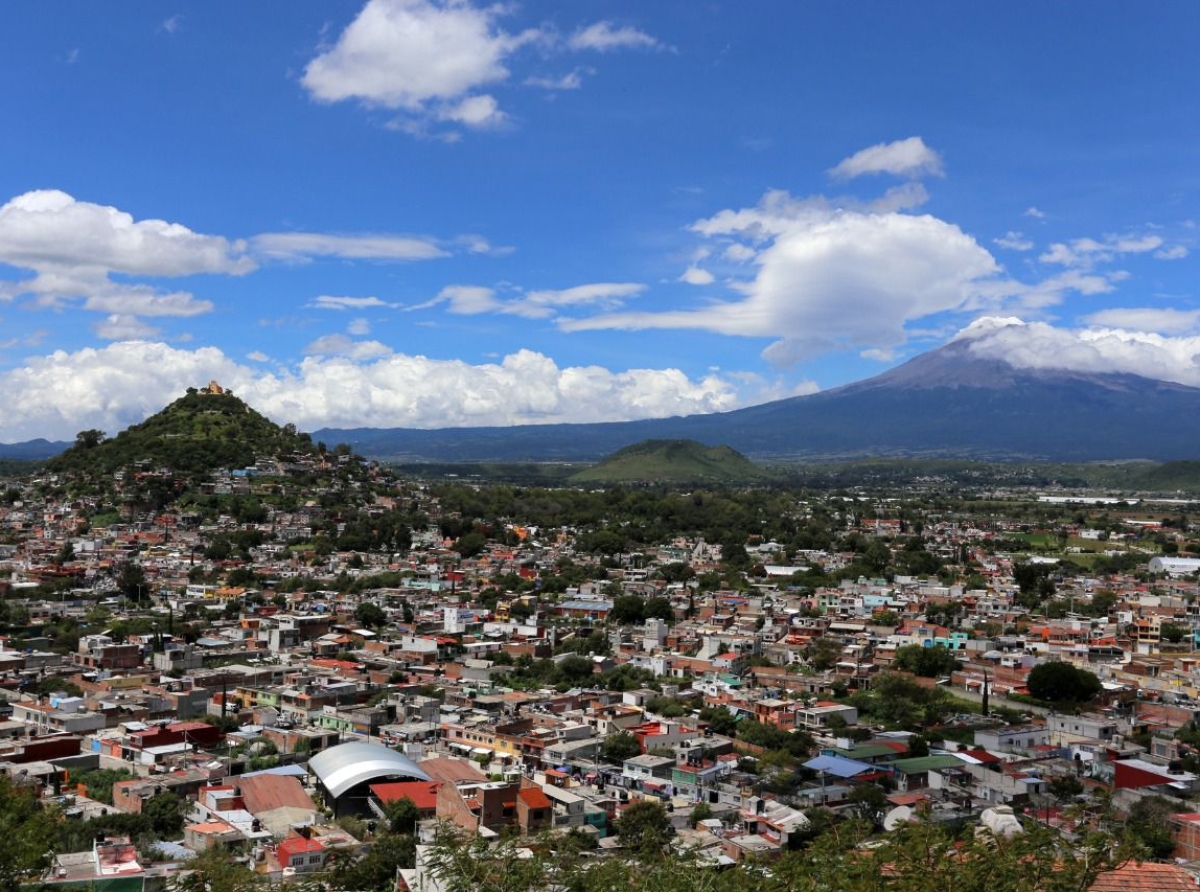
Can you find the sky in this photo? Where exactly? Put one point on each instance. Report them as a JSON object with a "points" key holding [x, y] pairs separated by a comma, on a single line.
{"points": [[446, 213]]}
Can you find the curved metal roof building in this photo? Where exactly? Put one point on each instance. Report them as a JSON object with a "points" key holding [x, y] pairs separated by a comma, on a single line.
{"points": [[340, 768]]}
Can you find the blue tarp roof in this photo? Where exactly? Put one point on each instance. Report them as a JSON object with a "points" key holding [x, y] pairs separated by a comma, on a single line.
{"points": [[838, 766]]}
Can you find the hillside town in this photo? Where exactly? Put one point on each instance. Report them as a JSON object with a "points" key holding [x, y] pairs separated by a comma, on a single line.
{"points": [[312, 652]]}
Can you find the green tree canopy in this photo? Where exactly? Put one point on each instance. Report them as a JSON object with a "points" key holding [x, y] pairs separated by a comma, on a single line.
{"points": [[1058, 682], [928, 662], [27, 832], [619, 747], [645, 828]]}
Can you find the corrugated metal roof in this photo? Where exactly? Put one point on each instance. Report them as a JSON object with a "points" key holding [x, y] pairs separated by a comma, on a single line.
{"points": [[344, 766]]}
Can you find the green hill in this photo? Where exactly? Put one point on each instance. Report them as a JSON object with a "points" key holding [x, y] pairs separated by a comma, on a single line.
{"points": [[673, 461], [193, 436]]}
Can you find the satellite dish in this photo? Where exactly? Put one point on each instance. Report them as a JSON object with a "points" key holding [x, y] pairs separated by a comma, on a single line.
{"points": [[901, 814]]}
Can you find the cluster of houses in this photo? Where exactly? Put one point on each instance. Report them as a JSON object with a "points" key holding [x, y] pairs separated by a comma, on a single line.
{"points": [[287, 713]]}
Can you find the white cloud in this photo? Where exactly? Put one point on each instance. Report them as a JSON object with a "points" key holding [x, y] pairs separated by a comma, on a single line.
{"points": [[141, 301], [1175, 252], [303, 245], [124, 328], [739, 253], [604, 36], [75, 247], [343, 345], [1098, 350], [1087, 252], [173, 24], [359, 327], [464, 300], [470, 300], [258, 356], [1164, 321], [1014, 241], [904, 157], [50, 230], [410, 53], [474, 111], [329, 302], [58, 395], [543, 304], [572, 80], [437, 62], [880, 355], [1034, 213], [695, 275], [829, 279]]}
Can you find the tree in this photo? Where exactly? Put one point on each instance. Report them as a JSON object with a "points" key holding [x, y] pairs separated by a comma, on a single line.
{"points": [[402, 815], [658, 608], [627, 609], [1058, 682], [644, 827], [27, 832], [927, 662], [89, 439], [471, 545], [165, 813], [132, 581], [619, 747], [1150, 825], [370, 615], [702, 811], [918, 747], [869, 803], [1172, 633]]}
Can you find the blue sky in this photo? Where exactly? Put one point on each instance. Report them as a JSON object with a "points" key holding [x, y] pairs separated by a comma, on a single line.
{"points": [[419, 213]]}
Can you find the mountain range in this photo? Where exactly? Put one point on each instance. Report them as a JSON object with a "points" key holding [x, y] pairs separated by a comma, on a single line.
{"points": [[946, 403]]}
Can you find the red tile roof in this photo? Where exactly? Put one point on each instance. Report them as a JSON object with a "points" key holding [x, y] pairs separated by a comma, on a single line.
{"points": [[534, 798], [422, 794], [1145, 876]]}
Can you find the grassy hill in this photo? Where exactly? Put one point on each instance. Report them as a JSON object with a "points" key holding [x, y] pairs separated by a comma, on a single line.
{"points": [[674, 461], [193, 436]]}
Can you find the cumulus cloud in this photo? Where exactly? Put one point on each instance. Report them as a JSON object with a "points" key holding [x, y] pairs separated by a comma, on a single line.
{"points": [[695, 275], [58, 395], [828, 278], [413, 55], [438, 61], [75, 248], [1085, 253], [1034, 213], [904, 157], [50, 230], [1014, 241], [1039, 345], [306, 245], [604, 37]]}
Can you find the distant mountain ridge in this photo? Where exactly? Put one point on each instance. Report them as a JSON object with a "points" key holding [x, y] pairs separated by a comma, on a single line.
{"points": [[944, 403]]}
